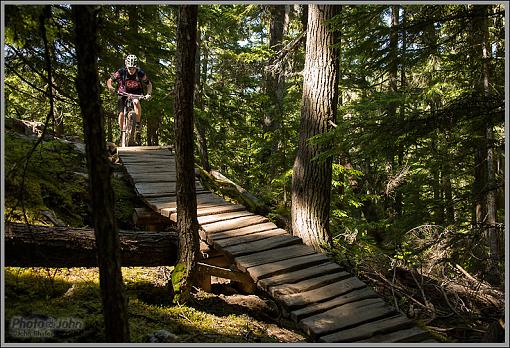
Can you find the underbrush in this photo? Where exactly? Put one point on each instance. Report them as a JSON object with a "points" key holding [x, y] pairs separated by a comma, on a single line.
{"points": [[423, 278]]}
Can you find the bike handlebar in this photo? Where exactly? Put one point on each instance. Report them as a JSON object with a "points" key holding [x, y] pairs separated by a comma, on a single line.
{"points": [[132, 96]]}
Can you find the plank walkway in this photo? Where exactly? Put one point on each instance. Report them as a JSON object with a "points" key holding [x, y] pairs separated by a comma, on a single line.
{"points": [[327, 303]]}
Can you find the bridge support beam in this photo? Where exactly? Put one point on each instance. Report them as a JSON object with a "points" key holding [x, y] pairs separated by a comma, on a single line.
{"points": [[207, 268]]}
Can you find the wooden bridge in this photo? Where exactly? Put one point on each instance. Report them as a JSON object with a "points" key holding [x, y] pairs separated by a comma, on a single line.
{"points": [[327, 303]]}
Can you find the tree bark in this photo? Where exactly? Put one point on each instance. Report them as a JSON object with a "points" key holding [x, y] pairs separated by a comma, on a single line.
{"points": [[43, 246], [187, 223], [311, 179], [484, 184], [199, 124], [389, 202], [152, 114], [134, 19], [102, 198], [46, 14], [275, 88]]}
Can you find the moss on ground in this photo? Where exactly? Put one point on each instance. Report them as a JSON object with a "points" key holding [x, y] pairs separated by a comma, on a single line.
{"points": [[54, 180], [74, 292]]}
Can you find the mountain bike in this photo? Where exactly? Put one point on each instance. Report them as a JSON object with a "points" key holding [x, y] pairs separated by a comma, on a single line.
{"points": [[130, 136]]}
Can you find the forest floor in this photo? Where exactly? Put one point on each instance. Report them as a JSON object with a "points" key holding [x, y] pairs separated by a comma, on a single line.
{"points": [[224, 315]]}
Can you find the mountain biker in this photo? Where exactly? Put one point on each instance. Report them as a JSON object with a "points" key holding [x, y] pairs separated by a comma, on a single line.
{"points": [[129, 80]]}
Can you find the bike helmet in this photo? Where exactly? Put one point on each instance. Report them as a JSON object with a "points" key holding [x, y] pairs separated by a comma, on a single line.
{"points": [[131, 61]]}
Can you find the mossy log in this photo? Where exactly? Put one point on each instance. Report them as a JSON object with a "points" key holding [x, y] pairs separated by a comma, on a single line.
{"points": [[219, 182], [42, 246]]}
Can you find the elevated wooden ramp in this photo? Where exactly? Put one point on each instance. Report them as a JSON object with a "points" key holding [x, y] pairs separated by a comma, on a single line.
{"points": [[327, 303]]}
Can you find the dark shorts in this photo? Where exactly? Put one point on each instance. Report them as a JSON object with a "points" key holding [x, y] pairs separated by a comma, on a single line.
{"points": [[122, 99]]}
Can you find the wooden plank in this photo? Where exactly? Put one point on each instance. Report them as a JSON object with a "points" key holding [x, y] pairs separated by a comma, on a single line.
{"points": [[170, 194], [269, 256], [204, 220], [145, 156], [201, 199], [233, 224], [225, 242], [154, 177], [145, 148], [147, 160], [209, 209], [208, 219], [167, 166], [315, 308], [301, 274], [144, 170], [271, 243], [367, 330], [345, 316], [321, 294], [204, 209], [414, 334], [307, 284], [154, 188], [265, 226], [144, 188], [288, 265], [157, 204]]}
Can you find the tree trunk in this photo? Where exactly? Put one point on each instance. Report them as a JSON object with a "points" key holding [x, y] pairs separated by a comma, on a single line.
{"points": [[389, 202], [486, 152], [311, 179], [133, 43], [99, 169], [187, 223], [42, 246], [304, 21], [199, 123], [275, 83], [46, 14], [152, 114], [491, 231]]}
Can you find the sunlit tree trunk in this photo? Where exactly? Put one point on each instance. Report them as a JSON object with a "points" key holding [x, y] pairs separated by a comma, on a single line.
{"points": [[311, 179], [199, 122]]}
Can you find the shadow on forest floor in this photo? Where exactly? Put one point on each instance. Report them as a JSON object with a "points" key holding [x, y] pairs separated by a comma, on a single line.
{"points": [[42, 294]]}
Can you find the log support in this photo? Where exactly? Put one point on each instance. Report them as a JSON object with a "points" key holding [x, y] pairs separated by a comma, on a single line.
{"points": [[242, 280]]}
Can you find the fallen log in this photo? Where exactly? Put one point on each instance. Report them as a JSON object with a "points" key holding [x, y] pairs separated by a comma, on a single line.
{"points": [[43, 246]]}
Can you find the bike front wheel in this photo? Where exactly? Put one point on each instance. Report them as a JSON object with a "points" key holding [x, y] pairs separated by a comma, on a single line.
{"points": [[130, 129]]}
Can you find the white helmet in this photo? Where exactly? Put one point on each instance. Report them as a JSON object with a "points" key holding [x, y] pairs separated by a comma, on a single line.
{"points": [[131, 61]]}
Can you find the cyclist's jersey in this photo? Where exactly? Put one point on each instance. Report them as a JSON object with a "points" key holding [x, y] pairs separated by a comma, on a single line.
{"points": [[130, 83]]}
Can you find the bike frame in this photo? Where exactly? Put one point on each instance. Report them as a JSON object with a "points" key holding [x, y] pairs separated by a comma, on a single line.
{"points": [[128, 136]]}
